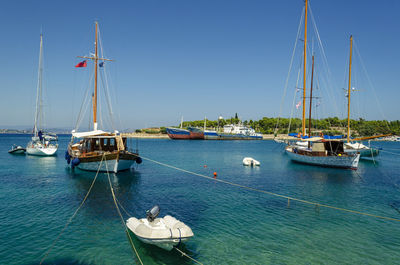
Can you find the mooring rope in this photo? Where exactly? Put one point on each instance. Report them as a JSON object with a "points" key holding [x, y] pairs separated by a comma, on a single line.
{"points": [[72, 217], [120, 215], [274, 194], [186, 255]]}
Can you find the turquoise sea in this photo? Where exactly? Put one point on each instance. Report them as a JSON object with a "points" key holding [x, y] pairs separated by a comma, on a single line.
{"points": [[231, 225]]}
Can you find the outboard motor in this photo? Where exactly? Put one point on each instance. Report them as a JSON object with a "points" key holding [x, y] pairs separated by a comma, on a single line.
{"points": [[152, 213]]}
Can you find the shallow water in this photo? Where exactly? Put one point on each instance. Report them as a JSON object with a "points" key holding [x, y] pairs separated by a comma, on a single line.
{"points": [[231, 225]]}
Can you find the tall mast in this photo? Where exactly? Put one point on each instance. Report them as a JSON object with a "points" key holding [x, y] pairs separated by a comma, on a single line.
{"points": [[96, 58], [39, 87], [349, 91], [309, 117], [205, 120], [304, 74]]}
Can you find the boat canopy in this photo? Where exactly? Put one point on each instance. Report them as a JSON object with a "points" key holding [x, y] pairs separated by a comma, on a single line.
{"points": [[87, 134]]}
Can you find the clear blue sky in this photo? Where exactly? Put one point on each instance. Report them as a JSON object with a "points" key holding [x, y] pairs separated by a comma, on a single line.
{"points": [[190, 58]]}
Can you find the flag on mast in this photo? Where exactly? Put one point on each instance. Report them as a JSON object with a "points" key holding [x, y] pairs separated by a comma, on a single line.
{"points": [[298, 105], [81, 64]]}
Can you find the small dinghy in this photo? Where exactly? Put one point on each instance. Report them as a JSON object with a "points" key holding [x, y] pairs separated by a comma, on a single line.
{"points": [[16, 149], [248, 161], [164, 232]]}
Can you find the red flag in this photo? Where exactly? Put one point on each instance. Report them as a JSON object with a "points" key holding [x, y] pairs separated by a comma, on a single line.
{"points": [[81, 64]]}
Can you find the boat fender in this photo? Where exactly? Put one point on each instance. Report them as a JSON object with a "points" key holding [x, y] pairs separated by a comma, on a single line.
{"points": [[67, 157], [139, 160], [75, 162]]}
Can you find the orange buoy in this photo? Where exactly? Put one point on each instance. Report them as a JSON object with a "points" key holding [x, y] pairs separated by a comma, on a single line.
{"points": [[205, 166], [215, 174]]}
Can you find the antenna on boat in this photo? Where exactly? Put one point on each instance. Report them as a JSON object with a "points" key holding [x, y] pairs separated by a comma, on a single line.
{"points": [[349, 91], [95, 58]]}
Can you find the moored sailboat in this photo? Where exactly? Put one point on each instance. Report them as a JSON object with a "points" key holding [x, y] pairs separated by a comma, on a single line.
{"points": [[97, 149], [42, 143], [318, 151]]}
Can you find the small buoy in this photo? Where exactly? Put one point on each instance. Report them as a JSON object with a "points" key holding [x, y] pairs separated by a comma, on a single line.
{"points": [[205, 166], [339, 154], [215, 174]]}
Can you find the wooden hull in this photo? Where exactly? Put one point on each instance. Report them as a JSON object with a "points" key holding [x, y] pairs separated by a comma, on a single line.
{"points": [[345, 161], [112, 162]]}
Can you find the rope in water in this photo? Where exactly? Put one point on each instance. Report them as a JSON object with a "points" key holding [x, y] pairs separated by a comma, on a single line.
{"points": [[72, 217], [274, 194], [186, 255], [120, 215]]}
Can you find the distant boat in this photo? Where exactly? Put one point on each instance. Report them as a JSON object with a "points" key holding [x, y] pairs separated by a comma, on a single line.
{"points": [[178, 133], [165, 232], [42, 143], [249, 161], [16, 149], [316, 150], [88, 150], [239, 132]]}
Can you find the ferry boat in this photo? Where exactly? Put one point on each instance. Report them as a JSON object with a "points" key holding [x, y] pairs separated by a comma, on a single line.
{"points": [[239, 132]]}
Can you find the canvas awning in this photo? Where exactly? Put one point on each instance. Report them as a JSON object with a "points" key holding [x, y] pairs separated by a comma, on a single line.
{"points": [[87, 134]]}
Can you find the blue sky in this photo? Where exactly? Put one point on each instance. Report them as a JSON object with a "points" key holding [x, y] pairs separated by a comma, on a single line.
{"points": [[191, 58]]}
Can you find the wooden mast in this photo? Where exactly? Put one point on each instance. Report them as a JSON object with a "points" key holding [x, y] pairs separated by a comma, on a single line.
{"points": [[304, 74], [309, 116], [349, 91]]}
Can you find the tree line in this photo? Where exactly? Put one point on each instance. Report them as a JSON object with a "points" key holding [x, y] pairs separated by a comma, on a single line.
{"points": [[328, 126]]}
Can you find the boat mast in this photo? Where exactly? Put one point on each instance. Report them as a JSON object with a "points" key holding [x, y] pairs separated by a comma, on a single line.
{"points": [[96, 59], [205, 120], [304, 74], [39, 88], [349, 91], [309, 116]]}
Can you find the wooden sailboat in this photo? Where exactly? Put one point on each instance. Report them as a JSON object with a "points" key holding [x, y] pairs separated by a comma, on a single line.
{"points": [[89, 150], [42, 143], [349, 146], [316, 150]]}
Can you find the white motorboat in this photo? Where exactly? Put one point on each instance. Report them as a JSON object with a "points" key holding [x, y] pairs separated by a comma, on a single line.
{"points": [[249, 161], [364, 150], [164, 232], [16, 149], [42, 144]]}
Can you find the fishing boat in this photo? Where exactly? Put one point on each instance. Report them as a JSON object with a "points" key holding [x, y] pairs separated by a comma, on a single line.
{"points": [[97, 149], [42, 143], [165, 232], [318, 151], [16, 149]]}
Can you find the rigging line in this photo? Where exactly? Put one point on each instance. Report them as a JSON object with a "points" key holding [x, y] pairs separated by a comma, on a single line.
{"points": [[294, 99], [272, 193], [72, 217], [324, 59], [289, 71], [107, 90], [370, 83], [120, 215], [186, 255], [84, 105], [390, 152]]}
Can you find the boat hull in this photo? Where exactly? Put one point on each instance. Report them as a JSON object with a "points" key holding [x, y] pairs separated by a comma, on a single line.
{"points": [[228, 136], [364, 153], [211, 135], [41, 150], [178, 134], [114, 162], [346, 161]]}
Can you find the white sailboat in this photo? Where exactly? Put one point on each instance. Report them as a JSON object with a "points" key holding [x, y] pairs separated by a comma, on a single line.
{"points": [[318, 151], [97, 148], [42, 143]]}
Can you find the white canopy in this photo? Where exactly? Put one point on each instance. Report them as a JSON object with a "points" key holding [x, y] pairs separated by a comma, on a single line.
{"points": [[86, 134]]}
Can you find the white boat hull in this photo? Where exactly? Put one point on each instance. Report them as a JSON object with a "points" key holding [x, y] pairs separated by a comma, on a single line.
{"points": [[350, 161], [110, 165], [41, 150]]}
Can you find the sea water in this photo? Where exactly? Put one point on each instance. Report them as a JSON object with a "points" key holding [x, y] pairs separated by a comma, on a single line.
{"points": [[232, 225]]}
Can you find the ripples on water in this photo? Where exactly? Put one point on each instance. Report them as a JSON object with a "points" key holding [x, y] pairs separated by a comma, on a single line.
{"points": [[231, 225]]}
